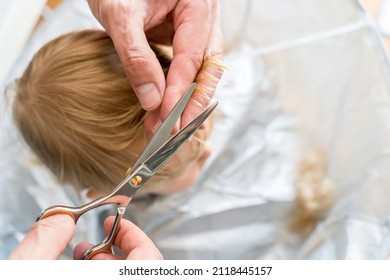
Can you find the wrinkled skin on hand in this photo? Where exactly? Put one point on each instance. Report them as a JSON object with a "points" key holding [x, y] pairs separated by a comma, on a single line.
{"points": [[193, 30]]}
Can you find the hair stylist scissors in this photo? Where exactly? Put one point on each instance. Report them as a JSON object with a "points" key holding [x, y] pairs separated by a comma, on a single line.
{"points": [[153, 157]]}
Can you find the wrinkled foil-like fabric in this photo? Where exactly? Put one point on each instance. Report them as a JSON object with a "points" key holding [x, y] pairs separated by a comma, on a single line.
{"points": [[300, 74]]}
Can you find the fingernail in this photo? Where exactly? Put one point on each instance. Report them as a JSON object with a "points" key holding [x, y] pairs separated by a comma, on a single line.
{"points": [[156, 126], [148, 96], [176, 128]]}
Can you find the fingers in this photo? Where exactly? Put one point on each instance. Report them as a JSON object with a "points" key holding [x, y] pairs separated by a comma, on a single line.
{"points": [[196, 33], [143, 70], [208, 76], [152, 122], [47, 239], [192, 19], [124, 22], [82, 247], [131, 240], [189, 23]]}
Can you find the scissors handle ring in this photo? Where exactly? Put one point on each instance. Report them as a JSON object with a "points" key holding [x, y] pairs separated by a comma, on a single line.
{"points": [[60, 209], [107, 244]]}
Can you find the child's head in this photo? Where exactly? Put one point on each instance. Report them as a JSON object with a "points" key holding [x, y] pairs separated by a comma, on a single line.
{"points": [[75, 108]]}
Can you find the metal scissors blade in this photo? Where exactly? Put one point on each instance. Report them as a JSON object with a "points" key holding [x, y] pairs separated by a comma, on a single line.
{"points": [[164, 131], [127, 188], [166, 151], [146, 169], [155, 154]]}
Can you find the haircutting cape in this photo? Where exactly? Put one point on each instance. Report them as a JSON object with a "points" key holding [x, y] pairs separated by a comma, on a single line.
{"points": [[301, 74]]}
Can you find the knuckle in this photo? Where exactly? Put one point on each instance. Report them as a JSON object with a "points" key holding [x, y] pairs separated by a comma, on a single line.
{"points": [[107, 8], [206, 7], [136, 59], [190, 61], [196, 59], [43, 226]]}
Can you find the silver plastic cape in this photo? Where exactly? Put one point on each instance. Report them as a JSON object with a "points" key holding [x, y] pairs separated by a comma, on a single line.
{"points": [[300, 74]]}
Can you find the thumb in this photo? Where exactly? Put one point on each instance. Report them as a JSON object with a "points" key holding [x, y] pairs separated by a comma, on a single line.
{"points": [[47, 239], [145, 74], [142, 67], [124, 22]]}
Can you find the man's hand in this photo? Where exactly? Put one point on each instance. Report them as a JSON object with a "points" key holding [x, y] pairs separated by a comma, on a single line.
{"points": [[192, 27], [131, 240], [49, 237], [46, 240]]}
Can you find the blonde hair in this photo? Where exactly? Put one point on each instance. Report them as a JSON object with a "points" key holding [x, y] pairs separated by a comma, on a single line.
{"points": [[77, 111], [314, 191]]}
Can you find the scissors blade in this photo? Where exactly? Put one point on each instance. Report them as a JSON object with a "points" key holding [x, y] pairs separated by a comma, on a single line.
{"points": [[126, 189], [164, 131], [165, 152]]}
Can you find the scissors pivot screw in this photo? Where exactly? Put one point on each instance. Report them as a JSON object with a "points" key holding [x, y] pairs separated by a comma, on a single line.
{"points": [[136, 180]]}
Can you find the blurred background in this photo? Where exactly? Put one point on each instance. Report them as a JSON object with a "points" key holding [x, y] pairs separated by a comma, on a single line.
{"points": [[302, 74]]}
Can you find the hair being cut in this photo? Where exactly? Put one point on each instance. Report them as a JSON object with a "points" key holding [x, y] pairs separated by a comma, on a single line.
{"points": [[77, 111]]}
